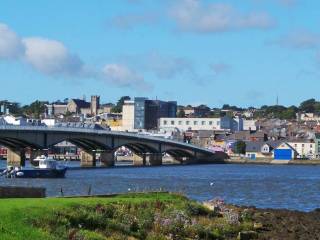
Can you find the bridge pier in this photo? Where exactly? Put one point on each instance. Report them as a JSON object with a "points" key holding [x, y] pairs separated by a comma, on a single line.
{"points": [[107, 159], [154, 159], [16, 157], [88, 158]]}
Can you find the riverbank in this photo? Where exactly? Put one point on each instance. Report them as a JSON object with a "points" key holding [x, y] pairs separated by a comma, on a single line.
{"points": [[148, 216], [235, 160]]}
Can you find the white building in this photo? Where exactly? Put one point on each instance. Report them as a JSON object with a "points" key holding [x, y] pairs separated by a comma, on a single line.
{"points": [[307, 117], [21, 121], [128, 116], [50, 122], [305, 149], [197, 124], [184, 124], [249, 125]]}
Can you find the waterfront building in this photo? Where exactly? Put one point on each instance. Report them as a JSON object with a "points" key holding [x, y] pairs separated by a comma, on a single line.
{"points": [[284, 152], [260, 149], [304, 148]]}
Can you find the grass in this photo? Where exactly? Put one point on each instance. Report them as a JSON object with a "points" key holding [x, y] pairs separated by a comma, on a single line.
{"points": [[131, 216]]}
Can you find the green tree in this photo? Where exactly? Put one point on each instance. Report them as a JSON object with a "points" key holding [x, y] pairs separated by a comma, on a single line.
{"points": [[240, 147], [118, 107], [35, 109], [308, 105], [181, 114]]}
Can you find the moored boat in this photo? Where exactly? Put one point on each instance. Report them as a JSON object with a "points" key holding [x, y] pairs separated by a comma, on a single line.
{"points": [[47, 168]]}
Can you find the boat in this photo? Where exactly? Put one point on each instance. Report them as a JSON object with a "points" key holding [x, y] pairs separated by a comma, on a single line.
{"points": [[47, 168]]}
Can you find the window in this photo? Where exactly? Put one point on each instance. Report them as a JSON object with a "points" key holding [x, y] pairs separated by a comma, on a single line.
{"points": [[172, 122], [187, 122], [302, 145], [203, 123], [195, 123], [210, 122], [180, 122], [165, 122]]}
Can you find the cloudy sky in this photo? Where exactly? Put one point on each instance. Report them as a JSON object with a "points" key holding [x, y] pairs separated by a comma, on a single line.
{"points": [[243, 52]]}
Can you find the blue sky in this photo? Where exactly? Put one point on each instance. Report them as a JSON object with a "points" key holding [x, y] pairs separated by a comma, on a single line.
{"points": [[194, 51]]}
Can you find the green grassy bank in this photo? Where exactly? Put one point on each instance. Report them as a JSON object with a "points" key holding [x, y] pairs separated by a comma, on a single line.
{"points": [[130, 216], [151, 216]]}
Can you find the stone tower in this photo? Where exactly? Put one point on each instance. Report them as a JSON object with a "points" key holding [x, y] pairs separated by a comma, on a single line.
{"points": [[95, 105]]}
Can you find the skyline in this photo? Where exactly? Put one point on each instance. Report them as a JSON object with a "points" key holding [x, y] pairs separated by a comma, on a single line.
{"points": [[182, 50]]}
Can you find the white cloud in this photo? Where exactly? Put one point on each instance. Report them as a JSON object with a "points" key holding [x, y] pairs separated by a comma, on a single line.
{"points": [[121, 75], [11, 46], [51, 57], [194, 16], [301, 39]]}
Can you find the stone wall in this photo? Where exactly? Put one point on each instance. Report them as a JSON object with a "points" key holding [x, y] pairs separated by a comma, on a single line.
{"points": [[22, 192]]}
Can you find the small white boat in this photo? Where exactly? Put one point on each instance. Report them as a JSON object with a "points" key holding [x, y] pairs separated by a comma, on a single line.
{"points": [[47, 168]]}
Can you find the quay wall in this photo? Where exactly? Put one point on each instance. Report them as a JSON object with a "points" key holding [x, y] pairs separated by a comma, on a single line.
{"points": [[22, 192]]}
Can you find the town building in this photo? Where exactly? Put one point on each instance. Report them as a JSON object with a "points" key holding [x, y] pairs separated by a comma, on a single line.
{"points": [[284, 152], [95, 105], [261, 150], [79, 106], [18, 121], [304, 148], [144, 114], [199, 111], [307, 117], [225, 123], [187, 124], [56, 108]]}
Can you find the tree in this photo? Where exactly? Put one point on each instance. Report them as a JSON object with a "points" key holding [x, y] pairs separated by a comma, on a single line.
{"points": [[240, 147], [181, 114], [35, 109], [118, 107], [308, 105]]}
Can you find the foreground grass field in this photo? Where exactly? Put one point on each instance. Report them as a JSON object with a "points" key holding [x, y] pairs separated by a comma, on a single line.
{"points": [[130, 216], [151, 216]]}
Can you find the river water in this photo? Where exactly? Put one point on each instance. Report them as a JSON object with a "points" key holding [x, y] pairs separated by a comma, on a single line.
{"points": [[263, 186]]}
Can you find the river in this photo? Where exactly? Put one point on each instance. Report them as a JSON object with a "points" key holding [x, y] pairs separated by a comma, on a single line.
{"points": [[263, 186]]}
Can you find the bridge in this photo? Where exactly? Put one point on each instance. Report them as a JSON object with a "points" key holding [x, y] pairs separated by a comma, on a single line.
{"points": [[147, 150]]}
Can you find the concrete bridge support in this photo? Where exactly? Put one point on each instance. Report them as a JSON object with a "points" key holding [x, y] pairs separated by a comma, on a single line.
{"points": [[16, 157], [88, 158], [154, 159], [107, 159]]}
